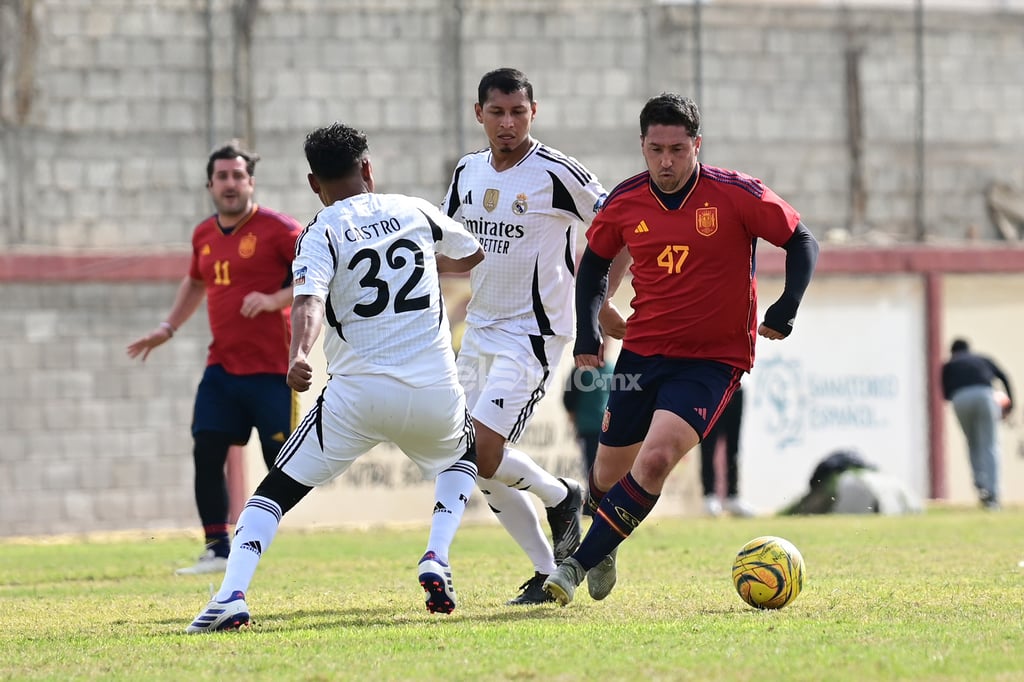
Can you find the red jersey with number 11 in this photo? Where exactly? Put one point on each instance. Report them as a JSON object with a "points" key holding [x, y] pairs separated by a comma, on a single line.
{"points": [[693, 267], [256, 256]]}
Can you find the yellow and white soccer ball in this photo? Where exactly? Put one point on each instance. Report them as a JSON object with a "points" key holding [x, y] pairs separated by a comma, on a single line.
{"points": [[768, 572]]}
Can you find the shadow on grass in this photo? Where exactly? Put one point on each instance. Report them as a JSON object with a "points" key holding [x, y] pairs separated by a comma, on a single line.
{"points": [[362, 617]]}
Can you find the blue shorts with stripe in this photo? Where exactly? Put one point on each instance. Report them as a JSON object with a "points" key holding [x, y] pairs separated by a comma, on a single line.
{"points": [[236, 404], [695, 390]]}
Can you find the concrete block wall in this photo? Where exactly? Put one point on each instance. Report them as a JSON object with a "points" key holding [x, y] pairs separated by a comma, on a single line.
{"points": [[92, 440], [106, 111]]}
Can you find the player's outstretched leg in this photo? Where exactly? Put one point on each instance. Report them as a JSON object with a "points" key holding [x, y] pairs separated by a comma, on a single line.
{"points": [[562, 498], [518, 515]]}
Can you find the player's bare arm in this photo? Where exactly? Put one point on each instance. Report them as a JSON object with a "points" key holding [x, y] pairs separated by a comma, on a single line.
{"points": [[455, 265], [307, 319], [257, 302], [186, 301]]}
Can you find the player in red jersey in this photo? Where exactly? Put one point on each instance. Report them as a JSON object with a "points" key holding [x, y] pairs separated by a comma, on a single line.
{"points": [[241, 264], [691, 230]]}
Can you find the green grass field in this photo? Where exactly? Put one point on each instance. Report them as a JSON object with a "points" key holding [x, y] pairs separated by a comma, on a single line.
{"points": [[937, 596]]}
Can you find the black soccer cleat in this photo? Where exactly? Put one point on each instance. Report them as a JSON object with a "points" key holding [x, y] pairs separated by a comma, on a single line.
{"points": [[565, 520], [532, 592]]}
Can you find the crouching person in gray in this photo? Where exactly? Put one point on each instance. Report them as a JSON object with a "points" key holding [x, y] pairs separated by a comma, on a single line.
{"points": [[844, 483]]}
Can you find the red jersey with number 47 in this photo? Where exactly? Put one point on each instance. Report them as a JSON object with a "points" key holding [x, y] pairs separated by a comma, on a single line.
{"points": [[256, 256], [693, 267]]}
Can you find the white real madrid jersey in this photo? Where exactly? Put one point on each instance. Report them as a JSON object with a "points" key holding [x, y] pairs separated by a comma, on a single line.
{"points": [[371, 259], [526, 218]]}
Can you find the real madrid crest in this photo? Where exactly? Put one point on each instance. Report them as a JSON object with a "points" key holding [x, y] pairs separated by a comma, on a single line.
{"points": [[519, 206], [491, 199], [707, 220], [247, 247]]}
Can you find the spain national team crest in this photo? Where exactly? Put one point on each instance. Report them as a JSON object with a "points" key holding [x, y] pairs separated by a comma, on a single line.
{"points": [[491, 199], [707, 220], [519, 206], [247, 247]]}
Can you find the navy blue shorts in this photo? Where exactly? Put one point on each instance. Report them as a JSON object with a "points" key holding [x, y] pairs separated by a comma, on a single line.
{"points": [[696, 390], [236, 404]]}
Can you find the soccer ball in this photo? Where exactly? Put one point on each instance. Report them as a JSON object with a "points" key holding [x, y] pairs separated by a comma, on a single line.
{"points": [[768, 572]]}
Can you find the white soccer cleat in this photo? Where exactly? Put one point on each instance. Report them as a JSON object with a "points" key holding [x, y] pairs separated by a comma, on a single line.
{"points": [[208, 562], [738, 507], [436, 580], [712, 505], [228, 615]]}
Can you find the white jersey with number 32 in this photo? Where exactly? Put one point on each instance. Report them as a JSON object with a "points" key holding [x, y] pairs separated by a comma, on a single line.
{"points": [[371, 259], [526, 218]]}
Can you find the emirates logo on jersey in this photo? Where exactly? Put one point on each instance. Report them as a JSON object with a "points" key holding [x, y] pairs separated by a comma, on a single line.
{"points": [[247, 247], [519, 206], [707, 220], [491, 197]]}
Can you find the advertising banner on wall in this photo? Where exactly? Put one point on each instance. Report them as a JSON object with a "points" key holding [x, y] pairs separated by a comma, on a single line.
{"points": [[852, 376]]}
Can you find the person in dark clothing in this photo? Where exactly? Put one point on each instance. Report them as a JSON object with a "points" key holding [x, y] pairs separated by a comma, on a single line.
{"points": [[726, 429], [967, 383], [584, 399]]}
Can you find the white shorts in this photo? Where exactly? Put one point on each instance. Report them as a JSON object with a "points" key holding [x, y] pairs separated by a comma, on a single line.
{"points": [[355, 413], [506, 374]]}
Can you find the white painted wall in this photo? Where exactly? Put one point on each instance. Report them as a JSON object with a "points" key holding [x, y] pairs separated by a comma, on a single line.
{"points": [[852, 376]]}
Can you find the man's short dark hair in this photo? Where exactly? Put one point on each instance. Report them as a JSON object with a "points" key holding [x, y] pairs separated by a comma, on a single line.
{"points": [[670, 109], [232, 150], [959, 345], [506, 80], [335, 151]]}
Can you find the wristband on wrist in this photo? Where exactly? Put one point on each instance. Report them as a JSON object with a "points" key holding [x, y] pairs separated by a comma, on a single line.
{"points": [[169, 327]]}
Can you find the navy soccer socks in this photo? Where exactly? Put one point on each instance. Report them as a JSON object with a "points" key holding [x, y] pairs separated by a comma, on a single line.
{"points": [[619, 512]]}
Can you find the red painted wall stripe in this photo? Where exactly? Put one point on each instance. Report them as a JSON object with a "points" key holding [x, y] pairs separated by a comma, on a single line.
{"points": [[118, 267], [112, 267]]}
